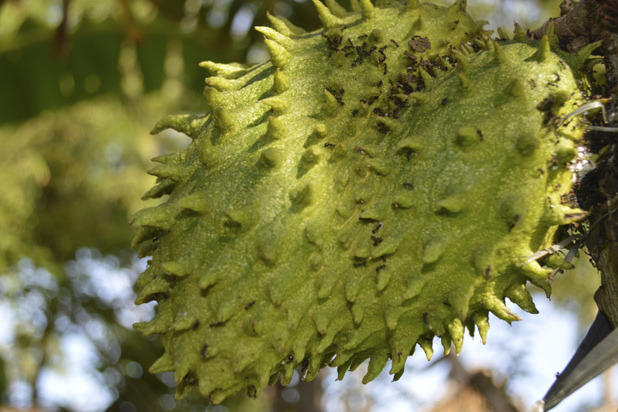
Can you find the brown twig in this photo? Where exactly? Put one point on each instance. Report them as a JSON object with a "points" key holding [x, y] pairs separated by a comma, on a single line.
{"points": [[62, 46], [132, 30]]}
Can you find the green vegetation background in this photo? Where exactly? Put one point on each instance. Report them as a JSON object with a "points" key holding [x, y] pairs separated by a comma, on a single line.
{"points": [[82, 82]]}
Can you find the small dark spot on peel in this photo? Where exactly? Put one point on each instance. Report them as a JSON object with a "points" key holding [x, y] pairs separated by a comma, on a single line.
{"points": [[419, 44], [196, 324], [382, 128], [378, 227], [248, 306]]}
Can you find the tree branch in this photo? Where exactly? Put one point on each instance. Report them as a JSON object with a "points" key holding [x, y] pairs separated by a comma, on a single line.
{"points": [[580, 24], [577, 26], [602, 241]]}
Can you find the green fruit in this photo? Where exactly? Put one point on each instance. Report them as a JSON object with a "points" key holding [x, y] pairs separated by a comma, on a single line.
{"points": [[377, 183]]}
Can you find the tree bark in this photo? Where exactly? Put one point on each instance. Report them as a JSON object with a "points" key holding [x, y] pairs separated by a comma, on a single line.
{"points": [[580, 24], [602, 241]]}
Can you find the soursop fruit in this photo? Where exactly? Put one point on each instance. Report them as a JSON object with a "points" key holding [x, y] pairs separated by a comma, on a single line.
{"points": [[377, 183]]}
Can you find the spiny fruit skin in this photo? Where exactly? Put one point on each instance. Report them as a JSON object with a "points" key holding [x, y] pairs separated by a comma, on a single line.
{"points": [[377, 183]]}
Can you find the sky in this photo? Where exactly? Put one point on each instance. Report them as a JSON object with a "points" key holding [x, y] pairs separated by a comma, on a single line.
{"points": [[537, 347]]}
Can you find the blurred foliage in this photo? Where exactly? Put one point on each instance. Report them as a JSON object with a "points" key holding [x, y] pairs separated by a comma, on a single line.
{"points": [[83, 81], [80, 170], [49, 59], [102, 47], [85, 311], [574, 289]]}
